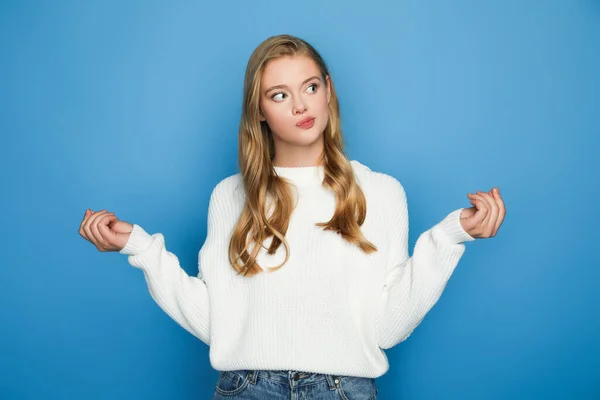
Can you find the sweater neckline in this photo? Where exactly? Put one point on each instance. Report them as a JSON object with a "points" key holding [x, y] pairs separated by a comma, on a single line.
{"points": [[302, 176]]}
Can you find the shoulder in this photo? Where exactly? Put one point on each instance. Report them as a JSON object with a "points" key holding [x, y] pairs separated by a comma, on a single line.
{"points": [[229, 185], [376, 183], [229, 190]]}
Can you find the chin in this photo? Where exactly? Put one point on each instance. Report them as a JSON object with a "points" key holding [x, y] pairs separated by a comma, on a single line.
{"points": [[309, 139]]}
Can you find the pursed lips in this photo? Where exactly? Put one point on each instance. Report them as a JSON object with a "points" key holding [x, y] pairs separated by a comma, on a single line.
{"points": [[303, 121]]}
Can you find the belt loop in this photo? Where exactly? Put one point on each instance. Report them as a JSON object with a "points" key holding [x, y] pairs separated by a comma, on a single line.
{"points": [[330, 381], [252, 375]]}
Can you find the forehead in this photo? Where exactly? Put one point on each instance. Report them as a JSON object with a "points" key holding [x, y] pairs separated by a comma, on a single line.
{"points": [[289, 70]]}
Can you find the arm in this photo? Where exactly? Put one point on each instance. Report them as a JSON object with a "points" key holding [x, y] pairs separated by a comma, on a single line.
{"points": [[184, 298], [414, 284]]}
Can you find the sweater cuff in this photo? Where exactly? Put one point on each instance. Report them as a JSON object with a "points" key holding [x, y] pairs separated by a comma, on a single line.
{"points": [[451, 228], [139, 240]]}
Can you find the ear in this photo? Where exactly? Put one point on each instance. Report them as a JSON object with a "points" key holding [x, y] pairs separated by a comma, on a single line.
{"points": [[260, 115], [328, 88]]}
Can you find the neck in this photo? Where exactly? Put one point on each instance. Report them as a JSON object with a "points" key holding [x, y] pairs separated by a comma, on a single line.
{"points": [[287, 155], [302, 175]]}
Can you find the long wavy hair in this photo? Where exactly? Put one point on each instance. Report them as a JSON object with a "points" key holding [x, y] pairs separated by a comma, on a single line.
{"points": [[255, 153]]}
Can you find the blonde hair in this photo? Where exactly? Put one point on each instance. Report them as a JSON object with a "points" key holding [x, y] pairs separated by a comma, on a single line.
{"points": [[255, 153]]}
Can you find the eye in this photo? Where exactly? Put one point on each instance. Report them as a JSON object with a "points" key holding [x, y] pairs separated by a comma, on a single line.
{"points": [[278, 96], [314, 86]]}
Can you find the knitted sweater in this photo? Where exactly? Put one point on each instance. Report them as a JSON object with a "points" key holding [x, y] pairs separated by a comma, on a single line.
{"points": [[331, 308]]}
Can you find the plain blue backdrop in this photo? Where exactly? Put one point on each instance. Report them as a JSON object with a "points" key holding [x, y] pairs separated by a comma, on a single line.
{"points": [[134, 107]]}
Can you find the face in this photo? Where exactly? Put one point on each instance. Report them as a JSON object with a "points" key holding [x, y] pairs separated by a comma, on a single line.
{"points": [[294, 103]]}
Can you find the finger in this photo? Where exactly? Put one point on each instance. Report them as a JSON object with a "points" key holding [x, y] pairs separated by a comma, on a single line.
{"points": [[84, 231], [481, 207], [96, 232], [495, 213], [86, 222], [490, 221], [486, 200], [87, 226], [104, 229], [501, 209], [477, 217], [83, 221], [90, 228]]}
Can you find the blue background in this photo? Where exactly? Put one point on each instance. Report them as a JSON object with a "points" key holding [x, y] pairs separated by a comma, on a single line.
{"points": [[134, 107]]}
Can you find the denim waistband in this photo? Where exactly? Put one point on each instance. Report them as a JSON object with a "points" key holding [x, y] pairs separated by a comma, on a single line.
{"points": [[293, 378]]}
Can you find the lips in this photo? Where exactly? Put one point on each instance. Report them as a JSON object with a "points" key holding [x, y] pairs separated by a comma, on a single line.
{"points": [[306, 122]]}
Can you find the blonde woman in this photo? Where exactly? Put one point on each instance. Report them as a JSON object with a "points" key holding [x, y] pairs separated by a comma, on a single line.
{"points": [[305, 275]]}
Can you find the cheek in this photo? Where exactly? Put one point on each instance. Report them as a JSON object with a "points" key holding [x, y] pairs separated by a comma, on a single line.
{"points": [[268, 111], [321, 103], [322, 111], [276, 117]]}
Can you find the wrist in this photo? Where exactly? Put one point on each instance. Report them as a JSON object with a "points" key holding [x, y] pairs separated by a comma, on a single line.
{"points": [[138, 241]]}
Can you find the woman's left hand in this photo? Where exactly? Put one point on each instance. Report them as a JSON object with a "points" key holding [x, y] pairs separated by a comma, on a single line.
{"points": [[485, 217]]}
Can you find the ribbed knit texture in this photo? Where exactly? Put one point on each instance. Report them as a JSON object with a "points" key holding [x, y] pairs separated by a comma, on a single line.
{"points": [[331, 308]]}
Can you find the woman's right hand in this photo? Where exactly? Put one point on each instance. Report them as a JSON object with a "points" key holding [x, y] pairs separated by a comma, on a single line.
{"points": [[104, 230]]}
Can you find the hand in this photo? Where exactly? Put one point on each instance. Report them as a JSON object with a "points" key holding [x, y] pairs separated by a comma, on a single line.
{"points": [[104, 230], [484, 219]]}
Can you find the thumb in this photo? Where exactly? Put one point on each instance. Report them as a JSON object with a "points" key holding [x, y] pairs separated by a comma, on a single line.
{"points": [[105, 229], [119, 226]]}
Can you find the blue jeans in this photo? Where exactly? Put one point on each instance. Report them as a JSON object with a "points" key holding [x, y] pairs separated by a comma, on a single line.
{"points": [[267, 385]]}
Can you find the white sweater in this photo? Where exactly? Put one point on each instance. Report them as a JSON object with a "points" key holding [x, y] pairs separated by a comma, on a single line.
{"points": [[331, 308]]}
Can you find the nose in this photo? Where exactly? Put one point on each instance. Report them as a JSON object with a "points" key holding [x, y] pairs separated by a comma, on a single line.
{"points": [[299, 108]]}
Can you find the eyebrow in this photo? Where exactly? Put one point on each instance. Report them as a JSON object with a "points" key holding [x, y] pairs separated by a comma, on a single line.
{"points": [[285, 86]]}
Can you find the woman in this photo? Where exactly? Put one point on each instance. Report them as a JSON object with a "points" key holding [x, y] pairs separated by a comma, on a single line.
{"points": [[309, 311]]}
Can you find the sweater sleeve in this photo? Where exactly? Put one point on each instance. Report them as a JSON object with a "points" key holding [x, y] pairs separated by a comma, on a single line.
{"points": [[184, 298], [414, 284]]}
